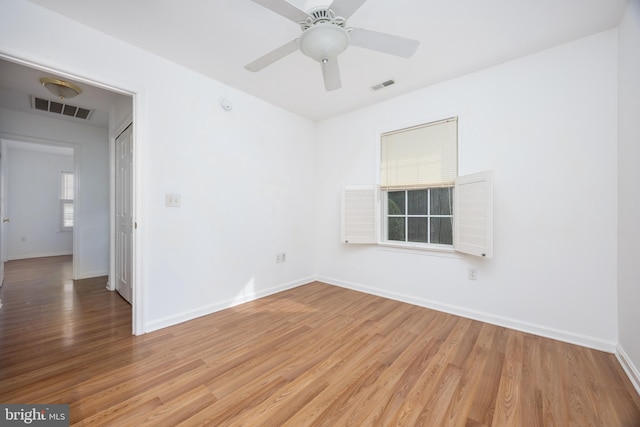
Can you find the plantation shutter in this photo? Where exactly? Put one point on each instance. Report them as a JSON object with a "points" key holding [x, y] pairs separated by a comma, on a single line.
{"points": [[66, 200], [359, 219], [473, 215], [66, 186], [420, 156]]}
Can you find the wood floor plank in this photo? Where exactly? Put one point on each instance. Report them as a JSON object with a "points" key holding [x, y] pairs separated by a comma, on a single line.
{"points": [[315, 355], [466, 394], [508, 408], [531, 395], [398, 400]]}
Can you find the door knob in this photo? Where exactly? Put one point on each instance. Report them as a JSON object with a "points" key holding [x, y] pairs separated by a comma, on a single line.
{"points": [[6, 220]]}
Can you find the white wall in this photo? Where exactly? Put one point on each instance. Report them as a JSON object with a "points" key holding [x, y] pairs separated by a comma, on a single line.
{"points": [[121, 115], [628, 193], [546, 125], [92, 156], [33, 203], [245, 177], [245, 180]]}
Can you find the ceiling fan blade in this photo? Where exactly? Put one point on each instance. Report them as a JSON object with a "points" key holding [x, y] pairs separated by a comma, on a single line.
{"points": [[331, 74], [382, 42], [273, 56], [284, 8], [346, 8]]}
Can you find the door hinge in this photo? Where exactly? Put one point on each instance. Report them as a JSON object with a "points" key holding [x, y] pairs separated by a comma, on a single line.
{"points": [[135, 225]]}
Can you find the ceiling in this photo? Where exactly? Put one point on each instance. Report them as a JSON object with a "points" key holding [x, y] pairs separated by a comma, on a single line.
{"points": [[218, 37], [19, 84]]}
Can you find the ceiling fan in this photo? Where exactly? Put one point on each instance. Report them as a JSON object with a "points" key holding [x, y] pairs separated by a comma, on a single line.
{"points": [[325, 35]]}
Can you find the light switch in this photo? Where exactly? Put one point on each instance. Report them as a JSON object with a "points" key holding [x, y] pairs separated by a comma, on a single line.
{"points": [[172, 200]]}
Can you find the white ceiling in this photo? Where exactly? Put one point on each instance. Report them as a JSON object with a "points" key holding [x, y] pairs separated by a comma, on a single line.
{"points": [[218, 37], [19, 83]]}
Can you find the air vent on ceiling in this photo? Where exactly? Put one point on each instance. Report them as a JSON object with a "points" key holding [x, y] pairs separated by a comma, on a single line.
{"points": [[60, 108], [383, 84]]}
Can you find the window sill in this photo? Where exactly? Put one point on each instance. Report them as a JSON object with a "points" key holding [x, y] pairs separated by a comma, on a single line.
{"points": [[435, 250]]}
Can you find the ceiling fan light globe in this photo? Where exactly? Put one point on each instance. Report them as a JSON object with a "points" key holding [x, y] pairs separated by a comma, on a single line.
{"points": [[324, 40]]}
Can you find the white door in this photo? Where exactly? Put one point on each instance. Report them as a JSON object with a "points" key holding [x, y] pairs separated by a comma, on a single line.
{"points": [[124, 212]]}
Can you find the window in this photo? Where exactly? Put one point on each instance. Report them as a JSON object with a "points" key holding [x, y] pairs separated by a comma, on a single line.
{"points": [[421, 216], [422, 201], [66, 201], [419, 167]]}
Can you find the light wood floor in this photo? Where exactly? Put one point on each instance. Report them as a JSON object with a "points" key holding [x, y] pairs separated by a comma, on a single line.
{"points": [[314, 355]]}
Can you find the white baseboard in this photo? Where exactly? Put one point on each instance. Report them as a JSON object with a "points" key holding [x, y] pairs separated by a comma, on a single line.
{"points": [[91, 275], [632, 371], [212, 308], [38, 255], [565, 336]]}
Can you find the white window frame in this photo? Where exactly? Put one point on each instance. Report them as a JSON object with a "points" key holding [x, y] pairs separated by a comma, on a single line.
{"points": [[66, 198], [424, 245]]}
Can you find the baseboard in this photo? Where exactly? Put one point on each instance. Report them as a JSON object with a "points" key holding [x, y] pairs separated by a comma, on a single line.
{"points": [[91, 275], [631, 370], [38, 255], [572, 338], [212, 308]]}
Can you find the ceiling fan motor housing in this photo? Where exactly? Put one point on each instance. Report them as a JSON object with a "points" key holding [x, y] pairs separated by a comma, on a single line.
{"points": [[324, 35]]}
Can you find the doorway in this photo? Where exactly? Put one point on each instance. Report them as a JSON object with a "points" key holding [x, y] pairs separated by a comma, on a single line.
{"points": [[119, 110], [37, 200]]}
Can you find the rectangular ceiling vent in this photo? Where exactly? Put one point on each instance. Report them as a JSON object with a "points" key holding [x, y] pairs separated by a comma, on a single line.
{"points": [[60, 108], [383, 84]]}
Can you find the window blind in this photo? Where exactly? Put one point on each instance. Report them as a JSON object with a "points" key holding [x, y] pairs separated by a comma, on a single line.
{"points": [[421, 156]]}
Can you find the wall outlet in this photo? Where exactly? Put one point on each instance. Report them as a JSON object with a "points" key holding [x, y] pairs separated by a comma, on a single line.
{"points": [[281, 257], [472, 273]]}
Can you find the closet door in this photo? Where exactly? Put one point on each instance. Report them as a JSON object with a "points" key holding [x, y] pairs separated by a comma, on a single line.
{"points": [[124, 213]]}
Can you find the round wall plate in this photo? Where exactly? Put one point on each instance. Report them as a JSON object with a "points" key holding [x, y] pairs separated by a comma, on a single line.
{"points": [[226, 105]]}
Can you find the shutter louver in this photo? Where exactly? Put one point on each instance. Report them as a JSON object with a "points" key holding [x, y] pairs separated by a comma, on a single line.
{"points": [[359, 219], [474, 214]]}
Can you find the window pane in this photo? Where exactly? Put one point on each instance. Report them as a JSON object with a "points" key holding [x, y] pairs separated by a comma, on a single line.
{"points": [[418, 230], [396, 202], [417, 201], [441, 201], [441, 231], [396, 229]]}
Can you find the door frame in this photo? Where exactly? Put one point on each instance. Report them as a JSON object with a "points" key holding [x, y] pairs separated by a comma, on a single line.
{"points": [[137, 305]]}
